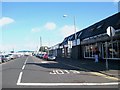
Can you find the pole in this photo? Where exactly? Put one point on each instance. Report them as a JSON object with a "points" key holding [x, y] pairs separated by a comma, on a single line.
{"points": [[111, 40], [40, 44], [106, 56], [40, 41], [75, 31], [107, 51]]}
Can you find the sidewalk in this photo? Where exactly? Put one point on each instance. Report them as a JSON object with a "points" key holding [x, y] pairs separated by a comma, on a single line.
{"points": [[90, 65]]}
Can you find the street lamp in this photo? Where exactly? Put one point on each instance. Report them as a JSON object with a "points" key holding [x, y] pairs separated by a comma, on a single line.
{"points": [[74, 28]]}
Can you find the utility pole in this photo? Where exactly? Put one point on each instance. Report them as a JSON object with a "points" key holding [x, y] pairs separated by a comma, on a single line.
{"points": [[40, 44], [75, 31]]}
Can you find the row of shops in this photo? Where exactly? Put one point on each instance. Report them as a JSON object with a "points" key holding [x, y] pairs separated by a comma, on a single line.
{"points": [[90, 38]]}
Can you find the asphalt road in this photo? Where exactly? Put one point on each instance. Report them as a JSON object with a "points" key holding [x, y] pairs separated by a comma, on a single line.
{"points": [[32, 72]]}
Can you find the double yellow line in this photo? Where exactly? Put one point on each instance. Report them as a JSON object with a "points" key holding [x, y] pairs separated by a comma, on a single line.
{"points": [[105, 76], [96, 73]]}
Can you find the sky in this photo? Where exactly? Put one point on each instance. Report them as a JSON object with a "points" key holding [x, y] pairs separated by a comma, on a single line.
{"points": [[23, 23]]}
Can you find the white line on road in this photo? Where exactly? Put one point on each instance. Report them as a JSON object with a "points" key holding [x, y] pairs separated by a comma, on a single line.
{"points": [[19, 79], [60, 84], [53, 72], [66, 71], [21, 73], [26, 61], [59, 72], [65, 84], [23, 67]]}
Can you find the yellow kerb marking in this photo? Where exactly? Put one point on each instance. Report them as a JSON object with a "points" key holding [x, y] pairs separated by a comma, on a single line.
{"points": [[105, 76]]}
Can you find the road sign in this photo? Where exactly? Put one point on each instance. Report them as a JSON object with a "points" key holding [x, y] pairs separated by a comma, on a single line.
{"points": [[69, 44], [110, 31]]}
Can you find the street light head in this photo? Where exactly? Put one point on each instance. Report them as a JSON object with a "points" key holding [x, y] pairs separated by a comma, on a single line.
{"points": [[65, 15]]}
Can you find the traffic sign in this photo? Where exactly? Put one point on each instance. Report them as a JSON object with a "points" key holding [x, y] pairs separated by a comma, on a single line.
{"points": [[110, 31]]}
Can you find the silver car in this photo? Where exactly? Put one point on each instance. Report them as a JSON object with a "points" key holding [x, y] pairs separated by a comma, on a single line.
{"points": [[51, 57]]}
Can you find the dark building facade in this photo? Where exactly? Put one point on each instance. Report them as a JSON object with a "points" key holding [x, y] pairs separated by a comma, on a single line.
{"points": [[93, 36]]}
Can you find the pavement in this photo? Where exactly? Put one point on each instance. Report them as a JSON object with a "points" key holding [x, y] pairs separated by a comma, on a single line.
{"points": [[89, 65]]}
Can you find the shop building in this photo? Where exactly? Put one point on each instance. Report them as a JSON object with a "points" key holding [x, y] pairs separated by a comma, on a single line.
{"points": [[93, 36]]}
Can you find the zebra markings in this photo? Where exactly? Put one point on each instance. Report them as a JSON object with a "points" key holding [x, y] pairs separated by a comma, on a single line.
{"points": [[60, 72]]}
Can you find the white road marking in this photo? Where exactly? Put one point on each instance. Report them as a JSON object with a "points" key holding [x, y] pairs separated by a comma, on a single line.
{"points": [[66, 84], [75, 71], [20, 75], [23, 67], [95, 73], [19, 79], [25, 61], [60, 84], [66, 71], [53, 72], [59, 72]]}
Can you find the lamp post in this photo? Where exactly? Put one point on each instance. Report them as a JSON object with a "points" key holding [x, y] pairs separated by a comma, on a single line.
{"points": [[74, 28]]}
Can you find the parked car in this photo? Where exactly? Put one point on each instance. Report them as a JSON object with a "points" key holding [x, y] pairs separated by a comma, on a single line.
{"points": [[41, 55], [51, 57], [14, 56], [0, 59], [7, 57], [3, 58], [45, 56], [37, 55]]}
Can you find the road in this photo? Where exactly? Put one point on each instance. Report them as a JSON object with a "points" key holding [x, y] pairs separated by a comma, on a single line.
{"points": [[32, 72]]}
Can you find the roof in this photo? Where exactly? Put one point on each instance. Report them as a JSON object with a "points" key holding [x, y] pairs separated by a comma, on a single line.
{"points": [[100, 27], [96, 29]]}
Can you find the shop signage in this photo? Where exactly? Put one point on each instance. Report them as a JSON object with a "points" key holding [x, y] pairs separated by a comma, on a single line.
{"points": [[69, 44], [65, 45], [73, 43], [78, 41], [61, 46]]}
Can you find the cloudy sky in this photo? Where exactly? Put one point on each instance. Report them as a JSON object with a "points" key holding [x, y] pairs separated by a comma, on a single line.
{"points": [[23, 23]]}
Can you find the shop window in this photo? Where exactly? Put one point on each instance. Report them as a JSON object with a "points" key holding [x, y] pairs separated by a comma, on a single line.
{"points": [[69, 52], [104, 50], [89, 51], [113, 50], [86, 51], [110, 50], [116, 50], [63, 52]]}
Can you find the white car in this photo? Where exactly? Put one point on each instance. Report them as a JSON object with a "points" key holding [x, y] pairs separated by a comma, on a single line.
{"points": [[13, 56], [5, 58]]}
